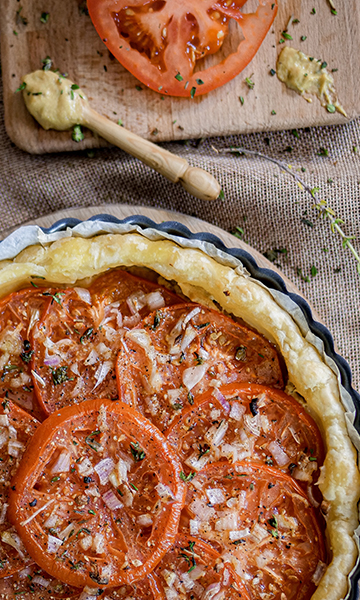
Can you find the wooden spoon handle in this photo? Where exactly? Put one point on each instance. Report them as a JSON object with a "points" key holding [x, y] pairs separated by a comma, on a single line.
{"points": [[196, 181]]}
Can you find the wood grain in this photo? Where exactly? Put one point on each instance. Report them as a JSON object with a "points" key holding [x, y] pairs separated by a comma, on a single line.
{"points": [[71, 41]]}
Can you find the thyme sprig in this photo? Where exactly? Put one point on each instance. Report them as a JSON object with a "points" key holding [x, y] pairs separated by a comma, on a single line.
{"points": [[321, 205]]}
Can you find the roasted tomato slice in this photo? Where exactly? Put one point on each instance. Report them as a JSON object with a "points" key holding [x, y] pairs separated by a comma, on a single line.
{"points": [[262, 523], [238, 422], [193, 570], [76, 342], [177, 353], [32, 583], [164, 42], [16, 429], [18, 314], [108, 495]]}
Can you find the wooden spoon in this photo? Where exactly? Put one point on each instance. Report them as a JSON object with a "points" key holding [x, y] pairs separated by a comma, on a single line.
{"points": [[57, 103], [196, 181]]}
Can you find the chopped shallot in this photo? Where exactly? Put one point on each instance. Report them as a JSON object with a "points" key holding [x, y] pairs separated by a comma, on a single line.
{"points": [[111, 500], [155, 300], [221, 398], [229, 521], [12, 538], [62, 465], [102, 372], [103, 469], [83, 294], [215, 495], [53, 544], [192, 375], [164, 491], [278, 453]]}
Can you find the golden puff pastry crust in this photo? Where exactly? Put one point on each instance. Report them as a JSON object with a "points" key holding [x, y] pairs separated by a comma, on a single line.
{"points": [[204, 279]]}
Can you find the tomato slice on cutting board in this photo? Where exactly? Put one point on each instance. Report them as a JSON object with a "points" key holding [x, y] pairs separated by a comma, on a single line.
{"points": [[262, 523], [192, 570], [253, 422], [16, 429], [177, 353], [76, 341], [108, 495], [165, 43]]}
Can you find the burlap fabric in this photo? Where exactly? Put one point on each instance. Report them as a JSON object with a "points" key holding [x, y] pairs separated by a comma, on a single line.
{"points": [[264, 202]]}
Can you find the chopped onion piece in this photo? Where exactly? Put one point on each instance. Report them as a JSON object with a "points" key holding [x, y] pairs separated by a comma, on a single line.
{"points": [[215, 495], [237, 411], [201, 510], [40, 581], [278, 453], [211, 591], [62, 464], [253, 424], [103, 469], [86, 542], [3, 513], [12, 538], [238, 534], [164, 491], [111, 500], [102, 372], [192, 375], [145, 520], [91, 358], [38, 378], [169, 576], [85, 467], [66, 532], [4, 421], [142, 338], [83, 294], [319, 572], [215, 434], [189, 336], [15, 447], [194, 527], [74, 368], [53, 544], [98, 543], [194, 462], [192, 314], [228, 522], [155, 300], [221, 398]]}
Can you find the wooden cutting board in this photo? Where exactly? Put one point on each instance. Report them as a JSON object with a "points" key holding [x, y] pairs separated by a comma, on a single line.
{"points": [[71, 41]]}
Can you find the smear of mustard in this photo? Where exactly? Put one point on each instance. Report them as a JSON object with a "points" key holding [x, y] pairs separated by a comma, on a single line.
{"points": [[304, 75]]}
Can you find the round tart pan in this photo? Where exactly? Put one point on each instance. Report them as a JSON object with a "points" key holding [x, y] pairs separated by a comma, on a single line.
{"points": [[269, 278]]}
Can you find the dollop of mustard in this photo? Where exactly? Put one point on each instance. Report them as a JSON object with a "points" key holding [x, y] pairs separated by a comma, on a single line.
{"points": [[53, 100], [308, 75]]}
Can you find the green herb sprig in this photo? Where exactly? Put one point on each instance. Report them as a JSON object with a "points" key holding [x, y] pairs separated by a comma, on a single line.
{"points": [[320, 205]]}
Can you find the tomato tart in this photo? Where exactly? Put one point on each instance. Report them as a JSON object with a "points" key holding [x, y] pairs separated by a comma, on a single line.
{"points": [[167, 431]]}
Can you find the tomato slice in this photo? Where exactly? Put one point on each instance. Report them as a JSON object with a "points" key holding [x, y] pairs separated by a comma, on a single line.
{"points": [[193, 570], [76, 341], [179, 352], [242, 421], [32, 583], [164, 42], [18, 314], [16, 428], [108, 495], [262, 523]]}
